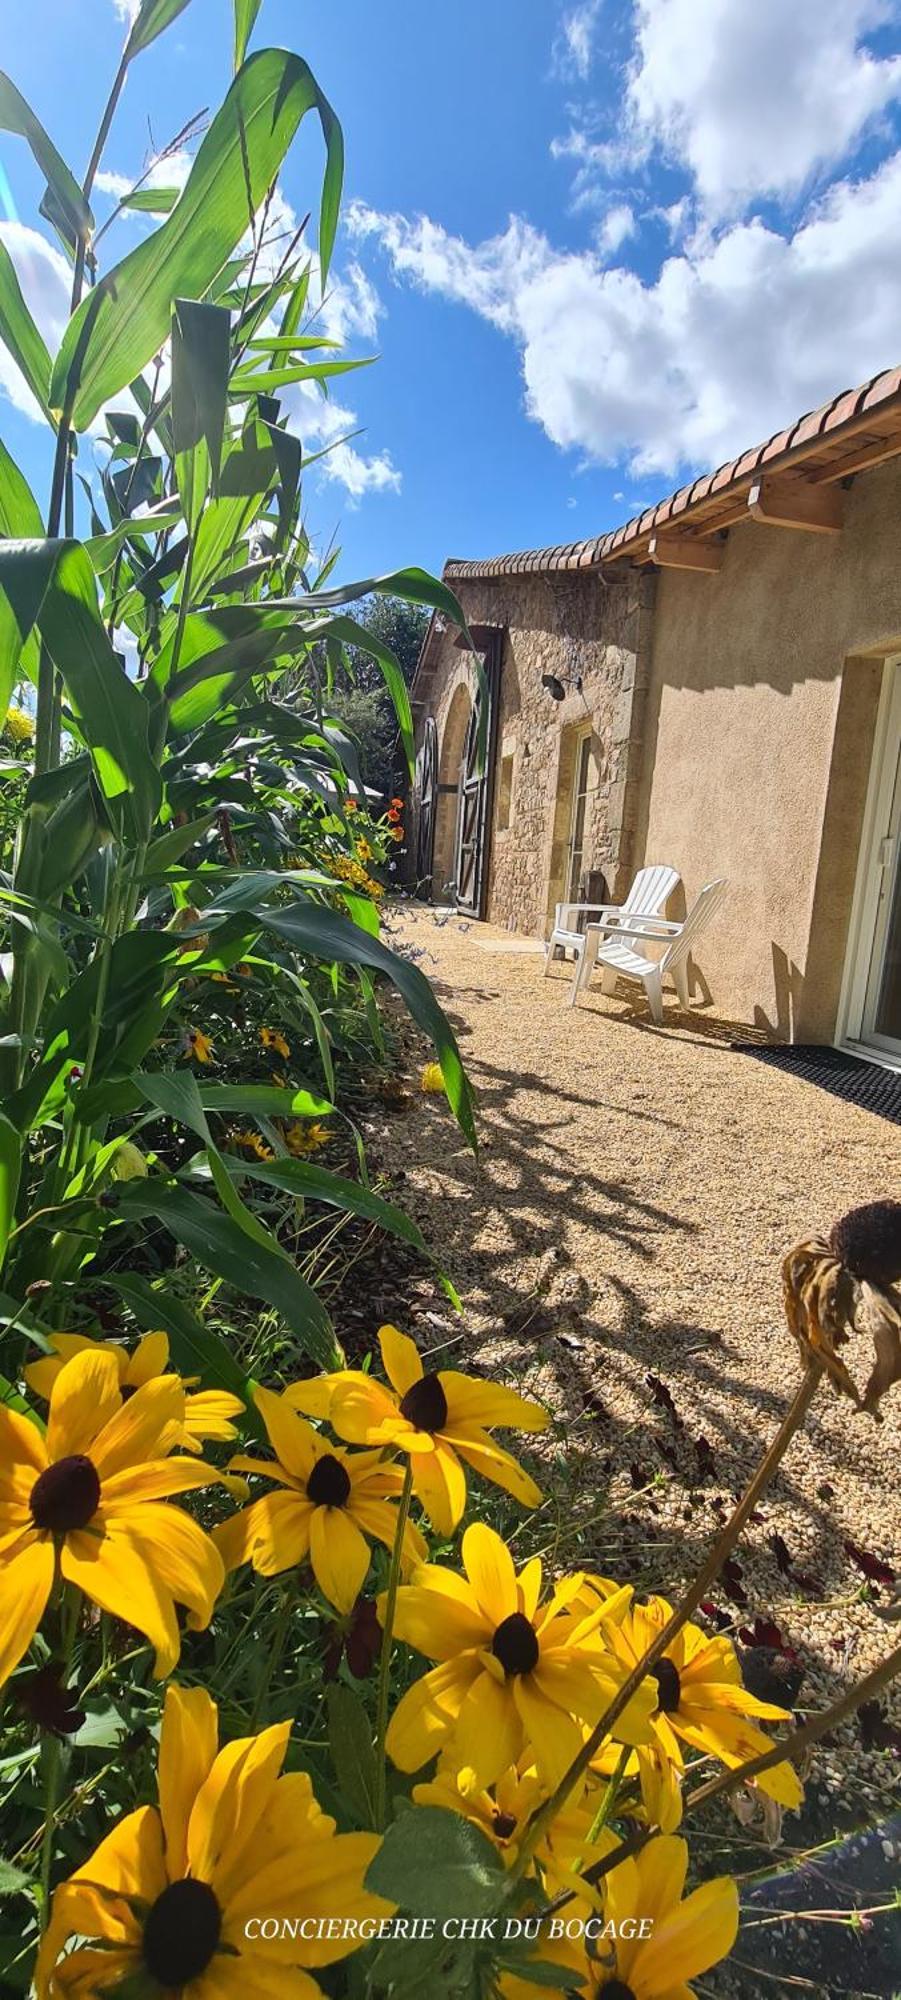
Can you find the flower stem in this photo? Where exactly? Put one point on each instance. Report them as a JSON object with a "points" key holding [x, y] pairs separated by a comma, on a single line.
{"points": [[381, 1706], [279, 1635], [70, 1613], [793, 1418]]}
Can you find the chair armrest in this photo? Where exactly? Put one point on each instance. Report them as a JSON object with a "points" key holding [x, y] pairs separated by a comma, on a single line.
{"points": [[641, 928], [566, 915]]}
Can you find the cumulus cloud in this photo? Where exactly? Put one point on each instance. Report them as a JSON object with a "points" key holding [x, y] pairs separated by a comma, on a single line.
{"points": [[752, 98], [615, 228], [732, 338]]}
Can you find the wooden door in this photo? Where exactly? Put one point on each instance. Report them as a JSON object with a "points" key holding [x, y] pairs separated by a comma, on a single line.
{"points": [[476, 790]]}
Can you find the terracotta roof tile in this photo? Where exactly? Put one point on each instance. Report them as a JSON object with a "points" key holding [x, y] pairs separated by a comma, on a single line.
{"points": [[848, 407]]}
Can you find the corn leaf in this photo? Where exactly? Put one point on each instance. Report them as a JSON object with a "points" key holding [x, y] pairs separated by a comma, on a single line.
{"points": [[125, 320], [20, 335], [200, 356], [20, 515], [17, 116], [10, 1168], [246, 12], [194, 1349], [151, 200], [152, 17]]}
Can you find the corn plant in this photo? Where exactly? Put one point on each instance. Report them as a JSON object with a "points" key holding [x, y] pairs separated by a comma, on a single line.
{"points": [[187, 774]]}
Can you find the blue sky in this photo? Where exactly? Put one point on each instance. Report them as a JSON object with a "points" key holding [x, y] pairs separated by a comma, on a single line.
{"points": [[597, 244]]}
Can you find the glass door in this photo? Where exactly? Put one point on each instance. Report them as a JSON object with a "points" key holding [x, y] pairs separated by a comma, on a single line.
{"points": [[579, 812], [878, 1025]]}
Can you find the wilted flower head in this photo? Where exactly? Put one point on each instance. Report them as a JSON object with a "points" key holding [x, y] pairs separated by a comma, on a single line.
{"points": [[845, 1283], [431, 1080]]}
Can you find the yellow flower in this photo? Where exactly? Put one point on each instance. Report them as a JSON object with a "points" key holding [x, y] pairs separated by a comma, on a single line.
{"points": [[87, 1496], [431, 1080], [330, 1500], [364, 851], [165, 1900], [301, 1139], [18, 727], [513, 1674], [700, 1696], [503, 1813], [252, 1143], [682, 1938], [198, 1045], [207, 1414], [271, 1038], [440, 1419]]}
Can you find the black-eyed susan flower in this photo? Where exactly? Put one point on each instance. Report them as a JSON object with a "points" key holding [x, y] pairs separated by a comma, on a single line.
{"points": [[304, 1139], [846, 1282], [363, 849], [198, 1046], [514, 1676], [163, 1905], [625, 1958], [440, 1419], [208, 1412], [273, 1040], [504, 1812], [86, 1499], [328, 1502], [700, 1697], [251, 1142]]}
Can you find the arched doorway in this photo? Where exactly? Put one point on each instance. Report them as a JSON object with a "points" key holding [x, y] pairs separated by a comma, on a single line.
{"points": [[447, 805]]}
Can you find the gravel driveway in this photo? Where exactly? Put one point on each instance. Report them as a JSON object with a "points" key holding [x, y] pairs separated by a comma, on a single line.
{"points": [[617, 1251]]}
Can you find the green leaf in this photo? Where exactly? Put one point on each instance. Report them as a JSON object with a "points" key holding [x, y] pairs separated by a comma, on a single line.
{"points": [[435, 1863], [246, 12], [171, 845], [20, 335], [151, 200], [263, 1098], [10, 1169], [353, 1752], [200, 356], [124, 321], [13, 1881], [321, 933], [218, 1242], [20, 515], [17, 116], [52, 583], [308, 1182], [194, 1348], [152, 17]]}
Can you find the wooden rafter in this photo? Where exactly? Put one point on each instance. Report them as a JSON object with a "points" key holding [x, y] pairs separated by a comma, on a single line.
{"points": [[674, 551], [782, 502]]}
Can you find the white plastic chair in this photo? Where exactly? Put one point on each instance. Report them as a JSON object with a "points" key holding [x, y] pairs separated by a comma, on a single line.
{"points": [[623, 956], [648, 896]]}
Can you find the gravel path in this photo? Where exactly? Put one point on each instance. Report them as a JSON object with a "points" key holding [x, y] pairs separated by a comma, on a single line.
{"points": [[635, 1190]]}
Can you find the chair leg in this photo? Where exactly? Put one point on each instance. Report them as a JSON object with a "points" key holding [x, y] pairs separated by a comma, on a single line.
{"points": [[608, 979], [680, 981], [653, 986]]}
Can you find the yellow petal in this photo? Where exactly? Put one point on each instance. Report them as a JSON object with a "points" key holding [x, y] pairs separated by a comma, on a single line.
{"points": [[230, 1806], [439, 1481], [155, 1480], [554, 1738], [252, 1975], [208, 1414], [21, 1444], [317, 1881], [108, 1568], [292, 1439], [41, 1375], [488, 1735], [182, 1557], [470, 1401], [425, 1716], [144, 1427], [489, 1567], [359, 1407], [437, 1624], [85, 1396], [339, 1555], [400, 1359], [689, 1939], [188, 1744], [500, 1467], [150, 1358], [273, 1533], [26, 1580]]}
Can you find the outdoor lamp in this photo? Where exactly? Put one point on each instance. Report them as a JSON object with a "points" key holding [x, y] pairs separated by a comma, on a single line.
{"points": [[555, 688]]}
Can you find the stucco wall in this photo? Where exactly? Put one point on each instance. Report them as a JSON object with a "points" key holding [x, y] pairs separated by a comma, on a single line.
{"points": [[759, 725], [566, 626]]}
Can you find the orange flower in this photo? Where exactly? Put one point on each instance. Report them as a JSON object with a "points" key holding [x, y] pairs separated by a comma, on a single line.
{"points": [[396, 832]]}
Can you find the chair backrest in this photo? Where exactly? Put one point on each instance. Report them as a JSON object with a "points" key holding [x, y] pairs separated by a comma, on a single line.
{"points": [[702, 909], [651, 891]]}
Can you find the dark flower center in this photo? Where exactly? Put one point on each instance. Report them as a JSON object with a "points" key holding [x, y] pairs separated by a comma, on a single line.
{"points": [[868, 1241], [66, 1496], [425, 1404], [669, 1686], [515, 1644], [504, 1825], [616, 1989], [181, 1933], [328, 1484], [127, 1390]]}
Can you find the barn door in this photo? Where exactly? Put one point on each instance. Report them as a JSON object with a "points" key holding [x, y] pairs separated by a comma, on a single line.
{"points": [[428, 799], [476, 791]]}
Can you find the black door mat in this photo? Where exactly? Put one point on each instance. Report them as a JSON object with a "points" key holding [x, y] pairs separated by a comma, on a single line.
{"points": [[858, 1082]]}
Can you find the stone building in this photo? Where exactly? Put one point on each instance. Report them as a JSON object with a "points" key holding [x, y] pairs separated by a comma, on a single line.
{"points": [[717, 684]]}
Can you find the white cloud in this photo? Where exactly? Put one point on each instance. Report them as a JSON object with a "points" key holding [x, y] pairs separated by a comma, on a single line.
{"points": [[616, 227], [734, 337], [46, 282], [576, 43], [127, 9], [753, 98], [172, 171]]}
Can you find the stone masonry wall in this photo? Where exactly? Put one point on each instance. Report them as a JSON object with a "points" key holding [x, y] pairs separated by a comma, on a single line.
{"points": [[593, 626]]}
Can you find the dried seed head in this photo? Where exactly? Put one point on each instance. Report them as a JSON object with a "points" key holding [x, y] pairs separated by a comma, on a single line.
{"points": [[868, 1242]]}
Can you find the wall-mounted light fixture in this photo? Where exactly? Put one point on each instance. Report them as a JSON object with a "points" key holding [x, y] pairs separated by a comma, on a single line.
{"points": [[558, 690]]}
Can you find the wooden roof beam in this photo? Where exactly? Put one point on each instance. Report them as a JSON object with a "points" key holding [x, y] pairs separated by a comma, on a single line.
{"points": [[783, 502], [674, 551], [842, 468]]}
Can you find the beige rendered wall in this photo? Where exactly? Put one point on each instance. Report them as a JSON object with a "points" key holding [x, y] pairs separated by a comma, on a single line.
{"points": [[763, 687]]}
